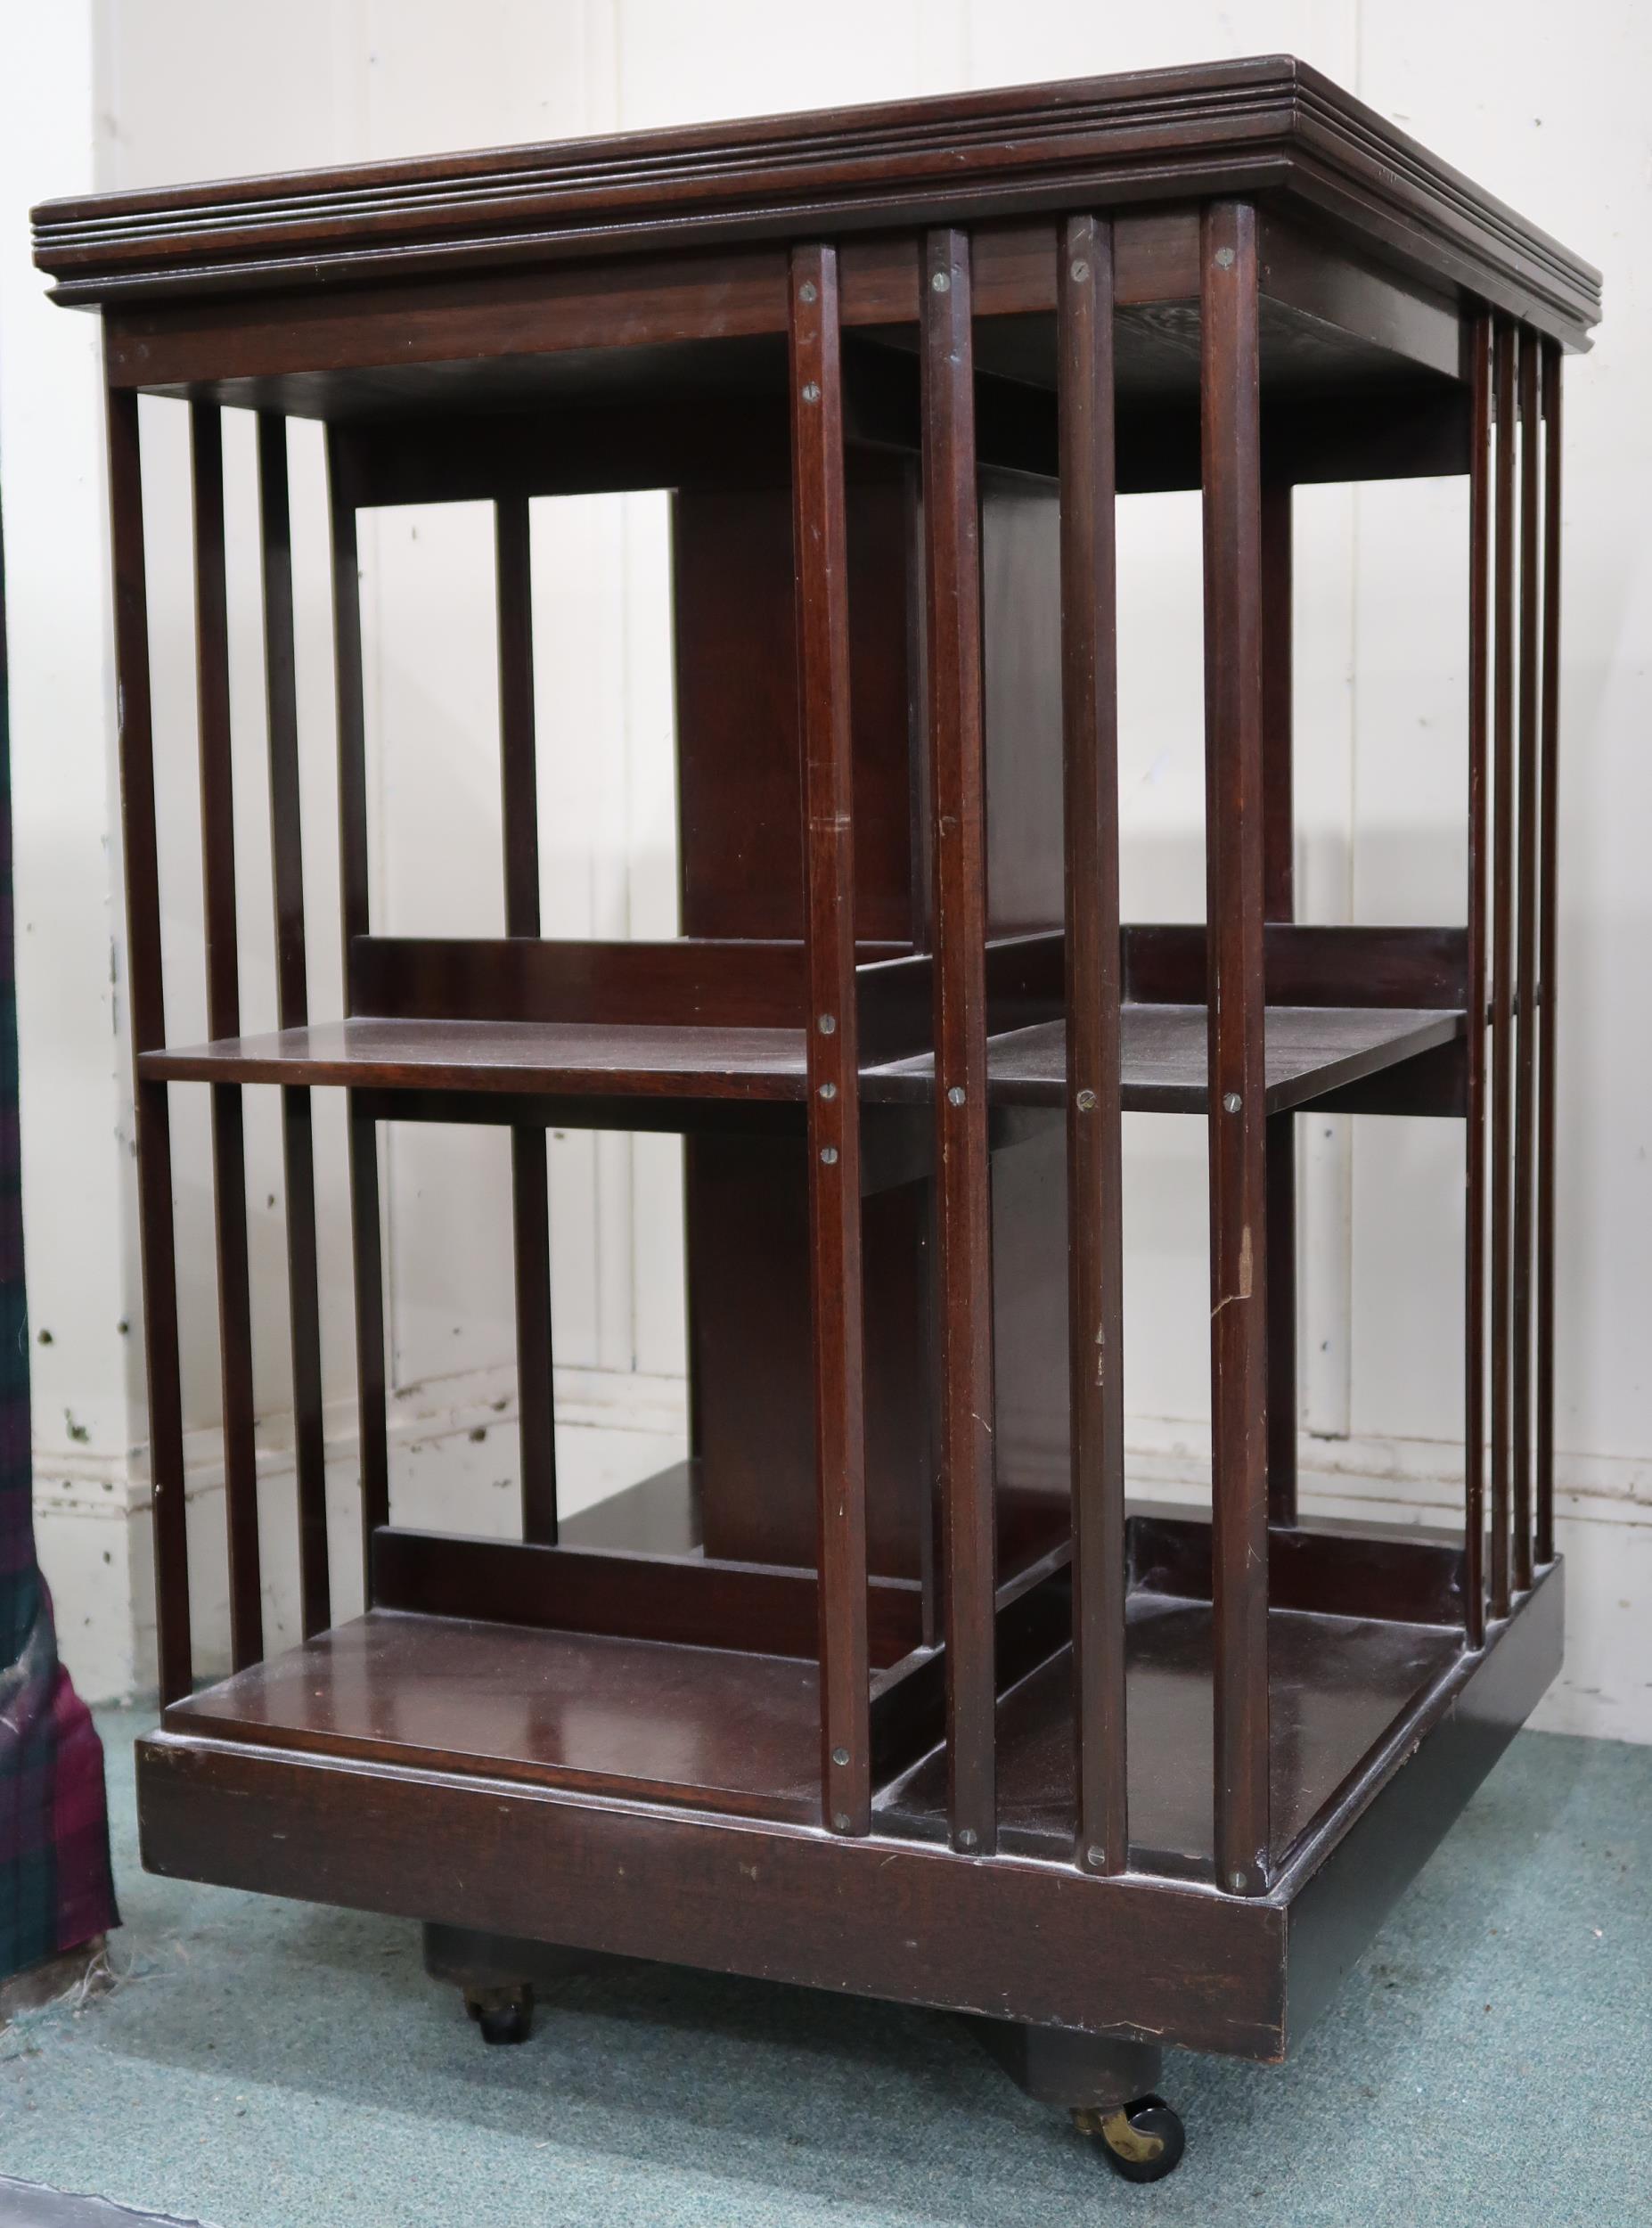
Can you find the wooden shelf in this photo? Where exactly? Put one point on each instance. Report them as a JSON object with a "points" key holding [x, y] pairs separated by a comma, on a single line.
{"points": [[720, 1730], [710, 1726], [1310, 1049], [1338, 1685]]}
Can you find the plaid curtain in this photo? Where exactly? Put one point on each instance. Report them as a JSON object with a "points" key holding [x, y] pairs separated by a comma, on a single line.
{"points": [[55, 1889]]}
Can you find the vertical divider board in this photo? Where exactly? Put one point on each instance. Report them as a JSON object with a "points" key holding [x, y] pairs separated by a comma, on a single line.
{"points": [[1474, 1126], [367, 1250], [157, 1237], [964, 1298], [229, 1154], [1231, 450], [820, 543], [292, 1010], [1525, 953], [530, 1205], [1094, 1113], [1549, 806], [1502, 951]]}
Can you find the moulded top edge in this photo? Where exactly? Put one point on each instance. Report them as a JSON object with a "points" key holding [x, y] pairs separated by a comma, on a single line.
{"points": [[1266, 125]]}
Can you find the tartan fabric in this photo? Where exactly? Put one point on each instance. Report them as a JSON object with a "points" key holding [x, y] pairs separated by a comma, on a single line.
{"points": [[55, 1888]]}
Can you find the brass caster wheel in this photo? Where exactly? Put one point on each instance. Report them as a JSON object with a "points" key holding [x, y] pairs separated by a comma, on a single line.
{"points": [[504, 2015], [1141, 2142]]}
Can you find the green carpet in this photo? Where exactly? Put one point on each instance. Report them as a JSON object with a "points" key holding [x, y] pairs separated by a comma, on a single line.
{"points": [[268, 2065]]}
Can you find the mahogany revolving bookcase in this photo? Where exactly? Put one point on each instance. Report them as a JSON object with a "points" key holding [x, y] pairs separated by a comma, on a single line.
{"points": [[891, 1688]]}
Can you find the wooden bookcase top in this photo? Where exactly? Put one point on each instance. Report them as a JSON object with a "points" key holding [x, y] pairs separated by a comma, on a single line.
{"points": [[1268, 128]]}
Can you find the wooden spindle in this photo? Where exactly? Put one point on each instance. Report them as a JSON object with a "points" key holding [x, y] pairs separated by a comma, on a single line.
{"points": [[367, 1245], [1279, 891], [229, 1154], [1525, 957], [1498, 1188], [964, 1183], [292, 1012], [530, 1202], [157, 1239], [1237, 1118], [1548, 808], [1094, 1119], [822, 557], [1474, 1126]]}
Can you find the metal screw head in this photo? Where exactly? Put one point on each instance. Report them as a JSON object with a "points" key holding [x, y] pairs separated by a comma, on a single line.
{"points": [[1079, 270], [807, 291], [966, 1837], [811, 393], [1232, 1102], [941, 283], [827, 1023], [1224, 258], [1087, 1102], [828, 1154], [1236, 1881], [829, 1090], [955, 1096], [840, 1755], [840, 1820], [1096, 1856]]}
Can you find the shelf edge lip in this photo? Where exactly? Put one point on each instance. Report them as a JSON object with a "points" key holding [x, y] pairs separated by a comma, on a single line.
{"points": [[1260, 124]]}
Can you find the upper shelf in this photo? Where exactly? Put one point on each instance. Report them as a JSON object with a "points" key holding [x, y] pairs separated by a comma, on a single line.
{"points": [[1268, 126], [1310, 1051]]}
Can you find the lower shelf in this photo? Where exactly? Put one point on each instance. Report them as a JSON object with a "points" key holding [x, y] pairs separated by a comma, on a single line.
{"points": [[727, 1731], [629, 1717], [1336, 1685]]}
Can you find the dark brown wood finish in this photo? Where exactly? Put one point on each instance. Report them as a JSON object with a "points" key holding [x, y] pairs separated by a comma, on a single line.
{"points": [[1237, 1113], [530, 1198], [1548, 983], [152, 1133], [895, 367], [1503, 403], [821, 562], [1279, 882], [292, 1011], [1526, 990], [1264, 123], [1094, 1143], [963, 1202], [367, 1245], [1474, 1125], [229, 1157]]}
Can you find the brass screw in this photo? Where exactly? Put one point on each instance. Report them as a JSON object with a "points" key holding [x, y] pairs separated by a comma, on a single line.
{"points": [[840, 1755], [841, 1819], [941, 284], [1087, 1102], [955, 1096], [966, 1837], [828, 1154], [827, 1023], [829, 1090], [806, 293], [811, 393]]}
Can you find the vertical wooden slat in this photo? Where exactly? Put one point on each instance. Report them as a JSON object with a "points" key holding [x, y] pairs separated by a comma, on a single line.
{"points": [[229, 1159], [821, 541], [1549, 807], [963, 1203], [292, 1011], [1094, 1121], [1525, 957], [1498, 1192], [146, 999], [1474, 1126], [1238, 1121], [1279, 887], [367, 1254], [529, 1169]]}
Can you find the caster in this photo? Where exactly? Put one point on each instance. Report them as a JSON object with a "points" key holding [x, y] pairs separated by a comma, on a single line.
{"points": [[1141, 2142], [504, 2015]]}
